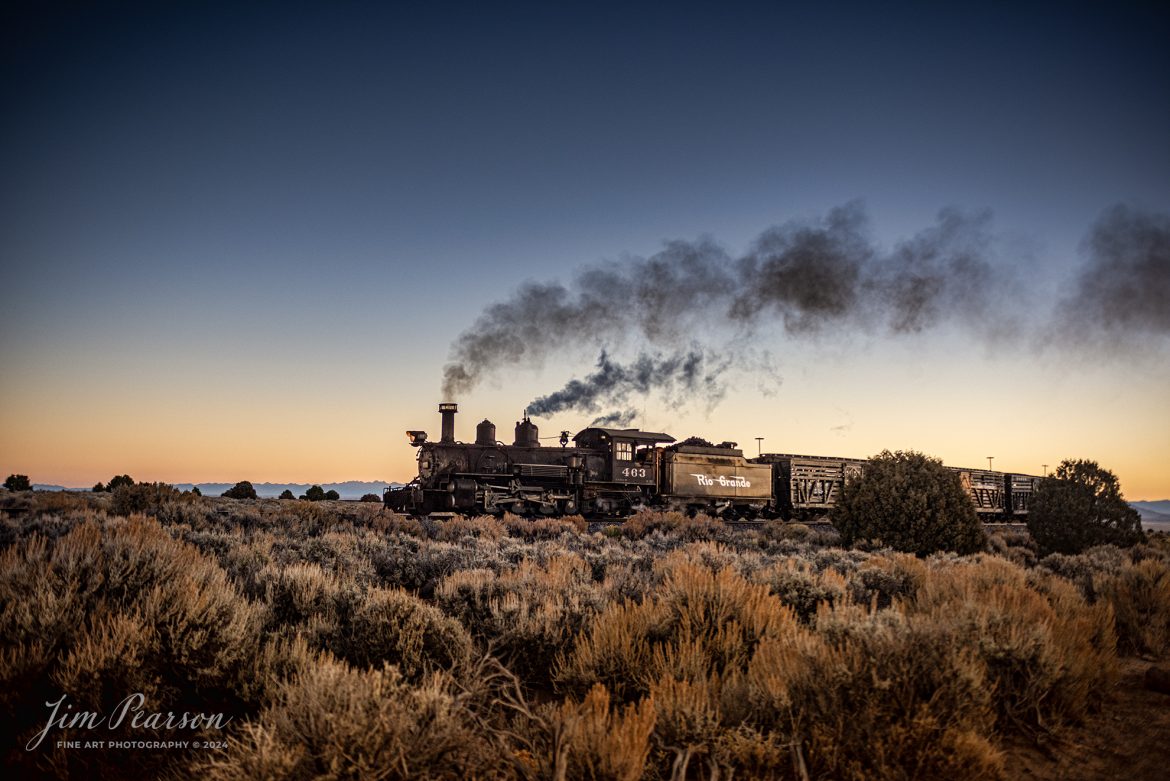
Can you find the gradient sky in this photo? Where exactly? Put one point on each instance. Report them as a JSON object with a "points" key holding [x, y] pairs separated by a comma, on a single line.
{"points": [[237, 240]]}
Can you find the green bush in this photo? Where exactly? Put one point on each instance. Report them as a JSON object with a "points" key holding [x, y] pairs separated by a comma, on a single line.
{"points": [[287, 494], [119, 481], [147, 498], [17, 483], [910, 502], [315, 494], [1079, 507], [241, 490]]}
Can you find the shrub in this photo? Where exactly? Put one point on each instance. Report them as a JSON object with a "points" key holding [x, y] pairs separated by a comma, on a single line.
{"points": [[881, 579], [365, 497], [1081, 506], [17, 483], [544, 528], [595, 741], [777, 529], [910, 502], [1016, 546], [418, 565], [366, 628], [107, 611], [314, 494], [149, 498], [1140, 597], [119, 481], [797, 584], [696, 623], [287, 494], [526, 615], [876, 695], [60, 502], [1050, 655], [393, 523], [339, 723], [297, 593], [241, 490], [645, 522], [461, 526], [391, 626], [332, 495]]}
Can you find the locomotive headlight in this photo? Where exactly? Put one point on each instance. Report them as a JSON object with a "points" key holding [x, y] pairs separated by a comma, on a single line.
{"points": [[416, 438]]}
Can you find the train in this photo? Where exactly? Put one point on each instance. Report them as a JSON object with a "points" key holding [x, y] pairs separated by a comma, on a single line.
{"points": [[604, 472]]}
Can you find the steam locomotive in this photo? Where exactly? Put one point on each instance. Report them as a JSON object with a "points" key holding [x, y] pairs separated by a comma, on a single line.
{"points": [[612, 472]]}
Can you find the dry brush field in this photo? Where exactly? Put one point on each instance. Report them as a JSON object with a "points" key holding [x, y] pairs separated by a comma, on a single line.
{"points": [[343, 642]]}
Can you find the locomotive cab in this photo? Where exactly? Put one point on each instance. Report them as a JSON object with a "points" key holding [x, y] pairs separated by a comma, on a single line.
{"points": [[633, 455]]}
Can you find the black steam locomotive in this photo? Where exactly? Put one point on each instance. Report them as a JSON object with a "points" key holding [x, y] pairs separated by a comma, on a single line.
{"points": [[614, 472]]}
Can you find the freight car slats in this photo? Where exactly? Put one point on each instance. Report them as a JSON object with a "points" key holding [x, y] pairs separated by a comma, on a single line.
{"points": [[984, 487]]}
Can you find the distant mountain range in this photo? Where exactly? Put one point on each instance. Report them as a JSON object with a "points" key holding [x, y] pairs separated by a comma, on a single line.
{"points": [[352, 489], [1155, 515]]}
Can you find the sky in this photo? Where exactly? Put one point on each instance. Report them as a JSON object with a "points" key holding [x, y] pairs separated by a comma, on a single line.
{"points": [[250, 240]]}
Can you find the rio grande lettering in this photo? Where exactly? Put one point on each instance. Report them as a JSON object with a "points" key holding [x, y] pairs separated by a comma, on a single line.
{"points": [[725, 482]]}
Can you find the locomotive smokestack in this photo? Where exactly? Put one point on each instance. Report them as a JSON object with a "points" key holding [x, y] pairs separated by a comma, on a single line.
{"points": [[448, 411]]}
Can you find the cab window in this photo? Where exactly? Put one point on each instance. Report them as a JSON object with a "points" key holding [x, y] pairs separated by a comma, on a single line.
{"points": [[623, 451]]}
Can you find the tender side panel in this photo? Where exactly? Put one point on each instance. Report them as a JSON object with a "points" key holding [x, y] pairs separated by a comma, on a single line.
{"points": [[688, 475]]}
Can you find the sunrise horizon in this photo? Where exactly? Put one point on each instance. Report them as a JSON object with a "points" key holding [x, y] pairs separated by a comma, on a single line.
{"points": [[262, 242]]}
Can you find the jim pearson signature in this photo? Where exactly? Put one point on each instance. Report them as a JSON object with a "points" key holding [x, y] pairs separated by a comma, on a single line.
{"points": [[129, 711]]}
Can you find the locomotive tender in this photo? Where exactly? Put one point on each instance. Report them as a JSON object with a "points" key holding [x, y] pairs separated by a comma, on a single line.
{"points": [[614, 472]]}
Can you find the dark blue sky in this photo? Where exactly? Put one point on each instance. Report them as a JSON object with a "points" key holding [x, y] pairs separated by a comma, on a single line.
{"points": [[286, 180]]}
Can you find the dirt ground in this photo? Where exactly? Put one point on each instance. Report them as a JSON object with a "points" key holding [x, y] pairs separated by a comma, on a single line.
{"points": [[1129, 739]]}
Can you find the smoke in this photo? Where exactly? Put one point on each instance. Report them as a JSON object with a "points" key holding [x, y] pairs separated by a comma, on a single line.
{"points": [[682, 376], [1122, 293], [657, 300], [813, 276], [799, 279], [806, 276], [619, 419]]}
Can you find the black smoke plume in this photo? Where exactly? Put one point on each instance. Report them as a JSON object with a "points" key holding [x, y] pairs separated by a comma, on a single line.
{"points": [[1123, 291], [618, 419], [656, 299], [805, 277], [682, 376]]}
